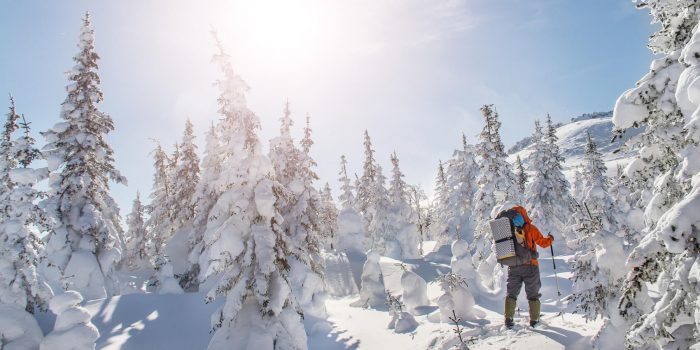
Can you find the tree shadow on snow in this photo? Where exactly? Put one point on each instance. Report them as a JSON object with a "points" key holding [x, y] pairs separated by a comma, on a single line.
{"points": [[326, 335], [357, 261], [147, 321], [560, 335]]}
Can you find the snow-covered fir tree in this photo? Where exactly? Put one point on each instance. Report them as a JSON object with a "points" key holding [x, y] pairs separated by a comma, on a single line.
{"points": [[159, 224], [186, 179], [577, 185], [497, 185], [299, 205], [172, 204], [351, 227], [307, 268], [548, 199], [347, 197], [595, 200], [379, 227], [537, 163], [284, 154], [367, 181], [313, 237], [248, 251], [83, 244], [328, 217], [521, 175], [653, 106], [631, 219], [206, 193], [402, 218], [597, 273], [668, 252], [6, 160], [461, 175], [416, 198], [136, 254], [20, 244], [440, 210]]}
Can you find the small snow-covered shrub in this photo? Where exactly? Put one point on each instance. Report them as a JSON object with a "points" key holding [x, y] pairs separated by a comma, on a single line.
{"points": [[73, 329], [401, 321], [457, 298]]}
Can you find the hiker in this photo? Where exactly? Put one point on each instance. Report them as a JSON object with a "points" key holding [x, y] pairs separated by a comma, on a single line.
{"points": [[527, 270]]}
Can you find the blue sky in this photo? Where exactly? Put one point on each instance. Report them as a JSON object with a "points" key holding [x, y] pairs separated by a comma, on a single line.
{"points": [[412, 72]]}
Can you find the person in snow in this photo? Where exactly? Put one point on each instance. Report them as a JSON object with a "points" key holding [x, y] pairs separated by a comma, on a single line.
{"points": [[527, 270]]}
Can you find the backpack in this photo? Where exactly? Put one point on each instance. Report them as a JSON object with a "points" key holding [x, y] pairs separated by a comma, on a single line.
{"points": [[511, 246]]}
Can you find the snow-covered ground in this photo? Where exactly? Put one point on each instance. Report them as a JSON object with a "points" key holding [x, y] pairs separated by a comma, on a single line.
{"points": [[182, 321]]}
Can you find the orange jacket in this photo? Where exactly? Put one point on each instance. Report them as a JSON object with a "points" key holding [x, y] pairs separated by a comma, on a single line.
{"points": [[532, 234]]}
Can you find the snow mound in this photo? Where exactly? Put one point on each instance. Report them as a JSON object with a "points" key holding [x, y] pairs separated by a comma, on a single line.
{"points": [[415, 291], [372, 289], [403, 322], [19, 329], [73, 329]]}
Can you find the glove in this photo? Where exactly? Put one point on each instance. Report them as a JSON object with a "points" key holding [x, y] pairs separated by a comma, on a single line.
{"points": [[550, 236]]}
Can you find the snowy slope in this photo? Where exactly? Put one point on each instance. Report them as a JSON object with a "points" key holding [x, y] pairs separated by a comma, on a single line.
{"points": [[572, 140]]}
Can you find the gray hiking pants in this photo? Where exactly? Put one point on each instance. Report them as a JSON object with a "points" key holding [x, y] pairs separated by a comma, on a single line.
{"points": [[528, 274]]}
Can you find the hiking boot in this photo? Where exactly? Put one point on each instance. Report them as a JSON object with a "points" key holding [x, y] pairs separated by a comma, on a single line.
{"points": [[509, 323], [534, 306]]}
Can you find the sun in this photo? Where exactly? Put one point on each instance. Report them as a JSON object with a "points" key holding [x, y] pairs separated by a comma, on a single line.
{"points": [[281, 25], [276, 27]]}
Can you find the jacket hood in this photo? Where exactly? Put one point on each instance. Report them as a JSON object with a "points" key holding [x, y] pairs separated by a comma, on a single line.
{"points": [[523, 212]]}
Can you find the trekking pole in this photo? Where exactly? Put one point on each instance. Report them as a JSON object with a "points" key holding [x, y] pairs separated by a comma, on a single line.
{"points": [[554, 264], [556, 280]]}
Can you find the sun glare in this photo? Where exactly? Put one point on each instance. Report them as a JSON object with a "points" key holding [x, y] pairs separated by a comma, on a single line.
{"points": [[280, 25], [274, 27]]}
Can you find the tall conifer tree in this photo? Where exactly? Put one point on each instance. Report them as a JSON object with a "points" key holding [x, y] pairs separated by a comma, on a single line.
{"points": [[83, 244]]}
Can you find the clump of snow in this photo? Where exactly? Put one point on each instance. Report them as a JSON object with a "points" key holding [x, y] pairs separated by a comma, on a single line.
{"points": [[73, 329], [463, 265], [491, 274], [415, 291], [18, 329], [402, 322], [167, 283], [372, 289], [687, 90]]}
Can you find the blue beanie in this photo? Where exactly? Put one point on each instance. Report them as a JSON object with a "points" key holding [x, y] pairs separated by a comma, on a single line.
{"points": [[518, 220]]}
